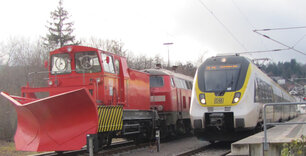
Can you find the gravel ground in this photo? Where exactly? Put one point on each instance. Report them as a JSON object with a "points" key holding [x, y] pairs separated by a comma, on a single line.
{"points": [[211, 152], [171, 148]]}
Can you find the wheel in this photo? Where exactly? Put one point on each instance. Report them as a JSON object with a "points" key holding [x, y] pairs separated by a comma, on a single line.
{"points": [[109, 140]]}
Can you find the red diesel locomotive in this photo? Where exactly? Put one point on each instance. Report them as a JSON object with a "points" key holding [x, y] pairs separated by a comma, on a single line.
{"points": [[93, 92], [171, 96]]}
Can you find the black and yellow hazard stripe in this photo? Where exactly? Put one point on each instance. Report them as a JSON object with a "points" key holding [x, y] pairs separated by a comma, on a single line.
{"points": [[110, 118]]}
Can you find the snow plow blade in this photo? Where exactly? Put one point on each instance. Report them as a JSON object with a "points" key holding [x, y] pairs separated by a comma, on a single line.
{"points": [[55, 123]]}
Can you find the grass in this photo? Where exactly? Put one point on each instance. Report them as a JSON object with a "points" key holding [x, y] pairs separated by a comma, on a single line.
{"points": [[8, 149]]}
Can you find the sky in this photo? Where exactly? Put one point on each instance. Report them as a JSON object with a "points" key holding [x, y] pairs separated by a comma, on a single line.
{"points": [[195, 27]]}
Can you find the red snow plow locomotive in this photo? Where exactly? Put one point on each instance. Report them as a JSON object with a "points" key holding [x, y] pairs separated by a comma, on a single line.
{"points": [[90, 92]]}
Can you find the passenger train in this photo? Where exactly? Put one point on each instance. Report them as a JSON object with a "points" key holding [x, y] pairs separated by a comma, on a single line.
{"points": [[228, 96]]}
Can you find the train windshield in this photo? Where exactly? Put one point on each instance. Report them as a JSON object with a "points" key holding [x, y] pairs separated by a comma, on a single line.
{"points": [[156, 81], [221, 78], [60, 64], [87, 62]]}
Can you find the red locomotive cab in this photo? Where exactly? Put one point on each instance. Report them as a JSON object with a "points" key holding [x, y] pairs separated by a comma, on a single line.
{"points": [[98, 71]]}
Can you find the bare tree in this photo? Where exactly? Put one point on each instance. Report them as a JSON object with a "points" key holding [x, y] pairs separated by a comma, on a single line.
{"points": [[113, 46], [22, 57]]}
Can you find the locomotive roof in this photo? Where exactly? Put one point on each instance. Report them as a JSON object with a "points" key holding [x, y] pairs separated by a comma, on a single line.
{"points": [[77, 48], [167, 72]]}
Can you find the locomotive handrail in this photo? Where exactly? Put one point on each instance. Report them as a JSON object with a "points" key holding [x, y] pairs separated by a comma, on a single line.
{"points": [[54, 73], [265, 144]]}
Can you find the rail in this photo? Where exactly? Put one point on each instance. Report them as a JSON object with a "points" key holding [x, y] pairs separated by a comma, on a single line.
{"points": [[266, 145]]}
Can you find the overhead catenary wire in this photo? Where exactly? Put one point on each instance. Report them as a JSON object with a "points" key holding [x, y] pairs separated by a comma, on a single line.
{"points": [[223, 25], [262, 51], [298, 41], [289, 47], [246, 19], [286, 28], [243, 15]]}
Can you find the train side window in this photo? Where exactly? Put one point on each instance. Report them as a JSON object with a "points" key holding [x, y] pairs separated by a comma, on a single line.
{"points": [[263, 92], [177, 83], [172, 83], [183, 84], [117, 66], [190, 83], [187, 84], [108, 64], [255, 91]]}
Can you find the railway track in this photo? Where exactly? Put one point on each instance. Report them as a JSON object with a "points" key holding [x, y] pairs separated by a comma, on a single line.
{"points": [[125, 147], [113, 148], [215, 149]]}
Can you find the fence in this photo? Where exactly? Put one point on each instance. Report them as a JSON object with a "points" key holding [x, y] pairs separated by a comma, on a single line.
{"points": [[266, 145]]}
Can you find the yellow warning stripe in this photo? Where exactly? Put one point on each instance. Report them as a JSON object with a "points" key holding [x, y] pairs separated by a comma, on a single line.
{"points": [[110, 118]]}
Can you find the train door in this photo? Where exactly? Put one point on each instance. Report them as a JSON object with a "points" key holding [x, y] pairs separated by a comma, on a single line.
{"points": [[110, 80], [120, 82], [179, 96]]}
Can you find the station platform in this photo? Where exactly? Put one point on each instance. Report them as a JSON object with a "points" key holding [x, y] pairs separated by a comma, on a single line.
{"points": [[276, 137]]}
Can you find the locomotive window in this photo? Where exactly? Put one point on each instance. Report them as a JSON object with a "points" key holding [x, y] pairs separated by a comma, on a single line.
{"points": [[189, 85], [172, 83], [184, 84], [177, 83], [156, 81], [60, 64], [117, 66], [87, 62], [180, 83], [108, 65]]}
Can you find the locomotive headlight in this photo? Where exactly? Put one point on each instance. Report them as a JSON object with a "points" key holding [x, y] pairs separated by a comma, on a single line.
{"points": [[236, 97], [160, 108], [202, 99]]}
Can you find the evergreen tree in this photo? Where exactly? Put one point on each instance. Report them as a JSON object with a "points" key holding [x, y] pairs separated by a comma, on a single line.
{"points": [[60, 29], [286, 69]]}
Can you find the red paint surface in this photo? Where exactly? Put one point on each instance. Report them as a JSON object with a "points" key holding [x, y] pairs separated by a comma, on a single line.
{"points": [[55, 123]]}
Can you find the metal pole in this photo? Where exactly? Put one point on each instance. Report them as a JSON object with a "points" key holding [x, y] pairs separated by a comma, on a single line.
{"points": [[90, 144], [167, 44], [168, 58], [266, 145], [157, 135]]}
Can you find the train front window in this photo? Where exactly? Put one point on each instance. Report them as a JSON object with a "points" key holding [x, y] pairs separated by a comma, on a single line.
{"points": [[156, 81], [222, 78], [60, 64], [87, 62]]}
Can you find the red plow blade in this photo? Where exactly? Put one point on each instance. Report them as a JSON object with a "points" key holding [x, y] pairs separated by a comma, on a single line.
{"points": [[56, 123]]}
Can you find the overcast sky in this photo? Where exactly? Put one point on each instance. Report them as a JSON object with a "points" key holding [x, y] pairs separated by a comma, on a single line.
{"points": [[206, 27]]}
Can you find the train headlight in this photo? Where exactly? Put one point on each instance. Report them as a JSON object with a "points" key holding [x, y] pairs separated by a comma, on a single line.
{"points": [[160, 108], [236, 97], [202, 99]]}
